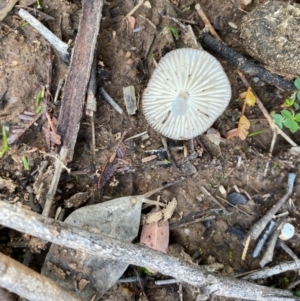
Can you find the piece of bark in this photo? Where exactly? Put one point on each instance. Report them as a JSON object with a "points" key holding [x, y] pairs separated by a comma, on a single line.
{"points": [[79, 74], [28, 284], [113, 249]]}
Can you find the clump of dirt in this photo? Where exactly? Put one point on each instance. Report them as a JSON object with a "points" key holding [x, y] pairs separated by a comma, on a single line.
{"points": [[271, 34]]}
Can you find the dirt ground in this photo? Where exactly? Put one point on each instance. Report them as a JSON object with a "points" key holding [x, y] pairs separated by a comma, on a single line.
{"points": [[127, 58]]}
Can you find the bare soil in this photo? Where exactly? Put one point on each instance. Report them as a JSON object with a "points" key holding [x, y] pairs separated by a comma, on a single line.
{"points": [[127, 58]]}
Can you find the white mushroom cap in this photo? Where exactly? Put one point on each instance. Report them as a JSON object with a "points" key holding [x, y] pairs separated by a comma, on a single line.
{"points": [[187, 92]]}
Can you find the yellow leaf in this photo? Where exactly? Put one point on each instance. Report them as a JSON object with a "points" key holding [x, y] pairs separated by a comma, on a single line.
{"points": [[241, 131], [243, 127], [250, 98]]}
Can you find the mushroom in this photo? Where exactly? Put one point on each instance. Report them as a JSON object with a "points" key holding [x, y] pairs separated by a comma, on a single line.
{"points": [[187, 92]]}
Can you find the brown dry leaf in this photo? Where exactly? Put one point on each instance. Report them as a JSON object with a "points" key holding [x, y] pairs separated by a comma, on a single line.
{"points": [[156, 236], [250, 98], [131, 22], [242, 130]]}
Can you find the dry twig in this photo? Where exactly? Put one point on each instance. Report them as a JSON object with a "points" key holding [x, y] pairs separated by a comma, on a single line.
{"points": [[28, 284]]}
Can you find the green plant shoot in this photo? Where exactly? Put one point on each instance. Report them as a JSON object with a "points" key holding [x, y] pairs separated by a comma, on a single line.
{"points": [[39, 98], [5, 147], [25, 163], [173, 30]]}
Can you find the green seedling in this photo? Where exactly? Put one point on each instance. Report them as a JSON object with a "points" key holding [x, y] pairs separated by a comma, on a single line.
{"points": [[294, 99], [287, 118], [25, 163], [38, 4], [173, 31], [23, 24], [256, 133], [5, 147], [143, 271], [39, 98]]}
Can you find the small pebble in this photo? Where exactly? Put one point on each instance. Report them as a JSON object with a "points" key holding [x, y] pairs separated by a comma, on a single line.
{"points": [[161, 11], [232, 25], [237, 198], [130, 61], [287, 232], [147, 4], [128, 54]]}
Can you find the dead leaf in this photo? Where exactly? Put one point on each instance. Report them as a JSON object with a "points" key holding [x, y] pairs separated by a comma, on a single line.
{"points": [[241, 131], [160, 215], [131, 22], [156, 236], [250, 98]]}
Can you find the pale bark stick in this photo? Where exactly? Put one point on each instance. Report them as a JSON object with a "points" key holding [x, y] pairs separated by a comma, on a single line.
{"points": [[108, 248], [275, 270], [28, 284], [61, 47]]}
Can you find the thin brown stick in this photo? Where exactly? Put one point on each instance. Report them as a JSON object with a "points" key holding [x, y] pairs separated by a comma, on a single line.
{"points": [[134, 9], [205, 191], [206, 21], [28, 284], [113, 249], [270, 153], [58, 167]]}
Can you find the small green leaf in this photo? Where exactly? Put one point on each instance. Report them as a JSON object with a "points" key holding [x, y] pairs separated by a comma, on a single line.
{"points": [[5, 147], [289, 102], [25, 163], [287, 114], [287, 122], [38, 98], [297, 117], [278, 119], [298, 95], [257, 132], [39, 109], [297, 83], [294, 126], [172, 30], [296, 106]]}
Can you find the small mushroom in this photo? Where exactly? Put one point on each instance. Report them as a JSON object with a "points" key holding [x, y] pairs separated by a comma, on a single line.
{"points": [[187, 92]]}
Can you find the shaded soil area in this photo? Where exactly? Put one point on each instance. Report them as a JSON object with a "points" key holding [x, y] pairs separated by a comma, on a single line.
{"points": [[127, 57]]}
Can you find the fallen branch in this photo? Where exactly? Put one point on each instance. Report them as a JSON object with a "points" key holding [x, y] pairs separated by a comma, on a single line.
{"points": [[28, 284], [112, 249], [79, 74]]}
